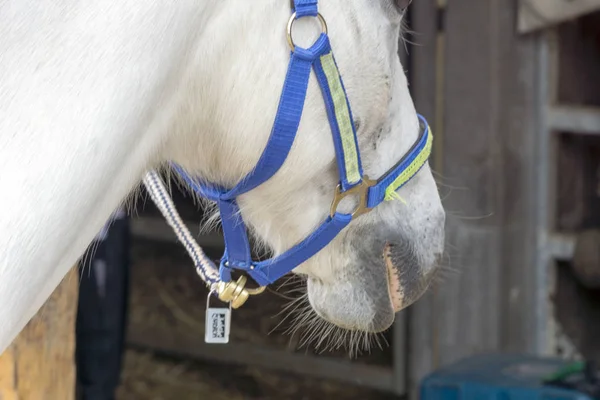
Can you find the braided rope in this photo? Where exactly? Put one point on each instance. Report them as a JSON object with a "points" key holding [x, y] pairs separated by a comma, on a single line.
{"points": [[205, 268]]}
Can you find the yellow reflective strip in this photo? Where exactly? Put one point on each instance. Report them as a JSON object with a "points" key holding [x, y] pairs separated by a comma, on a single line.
{"points": [[342, 116], [411, 170]]}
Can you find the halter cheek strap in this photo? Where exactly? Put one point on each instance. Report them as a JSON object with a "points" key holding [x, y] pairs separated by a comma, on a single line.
{"points": [[320, 59]]}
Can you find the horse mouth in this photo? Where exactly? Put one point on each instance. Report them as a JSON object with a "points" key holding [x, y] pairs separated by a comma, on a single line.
{"points": [[395, 288]]}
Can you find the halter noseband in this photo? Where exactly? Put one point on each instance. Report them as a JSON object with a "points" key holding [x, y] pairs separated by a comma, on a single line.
{"points": [[319, 57]]}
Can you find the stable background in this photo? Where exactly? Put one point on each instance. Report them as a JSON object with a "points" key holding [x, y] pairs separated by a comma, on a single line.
{"points": [[512, 92]]}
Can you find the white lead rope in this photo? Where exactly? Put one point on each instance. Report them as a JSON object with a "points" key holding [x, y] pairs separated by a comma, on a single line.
{"points": [[234, 293], [205, 268]]}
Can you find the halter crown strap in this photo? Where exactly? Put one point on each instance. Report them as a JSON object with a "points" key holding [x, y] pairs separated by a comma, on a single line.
{"points": [[319, 57], [305, 8]]}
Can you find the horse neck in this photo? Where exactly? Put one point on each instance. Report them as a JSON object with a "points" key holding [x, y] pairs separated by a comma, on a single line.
{"points": [[86, 93]]}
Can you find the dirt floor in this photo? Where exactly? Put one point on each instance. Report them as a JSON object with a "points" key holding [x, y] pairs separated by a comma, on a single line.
{"points": [[148, 377], [167, 304]]}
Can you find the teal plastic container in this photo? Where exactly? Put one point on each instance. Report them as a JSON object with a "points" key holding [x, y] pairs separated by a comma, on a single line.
{"points": [[497, 377]]}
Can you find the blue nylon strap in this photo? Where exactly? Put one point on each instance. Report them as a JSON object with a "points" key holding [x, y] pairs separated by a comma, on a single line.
{"points": [[335, 129], [376, 193], [207, 191], [304, 8], [237, 252], [284, 129], [287, 119], [267, 272]]}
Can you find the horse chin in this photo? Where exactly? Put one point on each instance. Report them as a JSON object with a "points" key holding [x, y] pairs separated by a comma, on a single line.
{"points": [[364, 300], [349, 307]]}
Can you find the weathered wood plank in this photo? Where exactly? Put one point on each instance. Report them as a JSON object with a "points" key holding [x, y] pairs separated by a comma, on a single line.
{"points": [[39, 364], [426, 62], [580, 120], [485, 303], [260, 356], [539, 14]]}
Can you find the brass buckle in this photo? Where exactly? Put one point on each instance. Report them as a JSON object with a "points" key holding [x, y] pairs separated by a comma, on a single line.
{"points": [[236, 293], [291, 23], [362, 189]]}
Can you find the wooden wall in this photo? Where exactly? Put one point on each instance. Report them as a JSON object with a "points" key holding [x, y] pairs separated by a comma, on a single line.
{"points": [[40, 363], [475, 78]]}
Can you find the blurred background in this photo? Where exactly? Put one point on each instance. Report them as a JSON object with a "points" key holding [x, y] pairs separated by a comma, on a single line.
{"points": [[512, 92]]}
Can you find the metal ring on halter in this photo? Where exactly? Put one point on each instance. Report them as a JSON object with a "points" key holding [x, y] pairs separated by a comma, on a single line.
{"points": [[290, 24], [236, 293], [362, 189]]}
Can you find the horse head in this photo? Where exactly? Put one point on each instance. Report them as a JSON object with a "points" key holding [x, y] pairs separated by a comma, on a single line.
{"points": [[384, 260], [94, 95]]}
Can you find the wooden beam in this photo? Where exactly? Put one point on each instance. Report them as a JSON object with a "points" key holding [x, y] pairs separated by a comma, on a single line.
{"points": [[40, 363], [540, 14], [561, 246], [427, 78], [572, 119], [371, 376], [488, 101]]}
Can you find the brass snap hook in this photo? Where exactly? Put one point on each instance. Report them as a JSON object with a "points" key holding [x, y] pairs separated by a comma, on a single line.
{"points": [[236, 292]]}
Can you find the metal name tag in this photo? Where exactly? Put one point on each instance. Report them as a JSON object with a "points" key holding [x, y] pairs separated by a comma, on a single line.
{"points": [[217, 324]]}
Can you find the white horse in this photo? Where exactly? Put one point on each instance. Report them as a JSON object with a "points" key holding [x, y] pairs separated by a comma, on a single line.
{"points": [[93, 94]]}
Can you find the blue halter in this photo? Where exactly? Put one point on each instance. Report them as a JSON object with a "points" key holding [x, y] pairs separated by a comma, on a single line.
{"points": [[318, 57]]}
